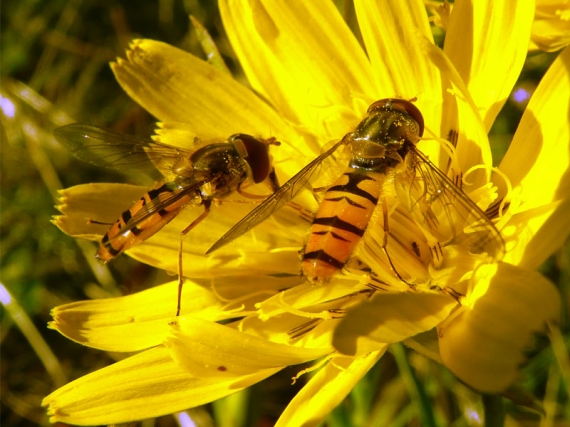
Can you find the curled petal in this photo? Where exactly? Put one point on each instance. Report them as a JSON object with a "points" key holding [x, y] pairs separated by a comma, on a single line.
{"points": [[483, 344], [388, 318]]}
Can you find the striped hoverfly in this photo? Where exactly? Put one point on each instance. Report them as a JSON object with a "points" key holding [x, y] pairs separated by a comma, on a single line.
{"points": [[192, 177], [382, 155]]}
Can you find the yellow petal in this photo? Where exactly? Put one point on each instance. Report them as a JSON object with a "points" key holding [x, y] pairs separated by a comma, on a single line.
{"points": [[326, 390], [483, 345], [487, 43], [389, 318], [133, 322], [538, 159], [551, 26], [306, 295], [210, 350], [539, 233], [303, 58], [98, 202], [538, 166], [391, 30], [144, 386], [461, 115], [175, 86]]}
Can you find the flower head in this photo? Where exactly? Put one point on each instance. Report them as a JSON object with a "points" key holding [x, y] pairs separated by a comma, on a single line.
{"points": [[312, 83]]}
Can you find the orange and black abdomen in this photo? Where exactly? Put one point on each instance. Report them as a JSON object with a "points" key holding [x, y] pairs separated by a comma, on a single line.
{"points": [[116, 241], [340, 222]]}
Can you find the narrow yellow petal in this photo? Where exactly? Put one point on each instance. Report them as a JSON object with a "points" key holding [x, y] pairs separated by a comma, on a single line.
{"points": [[538, 165], [461, 116], [306, 295], [97, 202], [539, 233], [484, 33], [326, 390], [551, 29], [484, 344], [538, 159], [147, 385], [175, 86], [390, 30], [134, 322], [389, 318], [303, 58], [210, 350]]}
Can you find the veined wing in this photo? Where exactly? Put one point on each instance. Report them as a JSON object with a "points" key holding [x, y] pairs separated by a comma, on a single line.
{"points": [[112, 150], [274, 202], [440, 206]]}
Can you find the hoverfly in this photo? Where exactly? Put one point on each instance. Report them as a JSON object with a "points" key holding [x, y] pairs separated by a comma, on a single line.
{"points": [[382, 152], [195, 177]]}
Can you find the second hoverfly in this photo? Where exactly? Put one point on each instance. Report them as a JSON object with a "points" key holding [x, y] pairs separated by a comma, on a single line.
{"points": [[197, 176], [382, 157]]}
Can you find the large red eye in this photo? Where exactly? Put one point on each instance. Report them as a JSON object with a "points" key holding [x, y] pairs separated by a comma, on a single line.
{"points": [[403, 106], [257, 155]]}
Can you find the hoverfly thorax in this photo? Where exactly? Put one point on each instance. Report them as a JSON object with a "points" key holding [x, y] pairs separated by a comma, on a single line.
{"points": [[183, 167], [408, 110], [390, 123], [384, 132], [223, 161]]}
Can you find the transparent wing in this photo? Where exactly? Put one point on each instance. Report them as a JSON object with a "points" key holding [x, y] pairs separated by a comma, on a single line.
{"points": [[274, 202], [168, 197], [102, 147], [446, 212]]}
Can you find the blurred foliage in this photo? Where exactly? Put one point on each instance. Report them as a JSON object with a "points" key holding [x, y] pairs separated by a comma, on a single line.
{"points": [[55, 57]]}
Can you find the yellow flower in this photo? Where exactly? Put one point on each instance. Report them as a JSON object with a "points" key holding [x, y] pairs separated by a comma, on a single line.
{"points": [[314, 83], [551, 26]]}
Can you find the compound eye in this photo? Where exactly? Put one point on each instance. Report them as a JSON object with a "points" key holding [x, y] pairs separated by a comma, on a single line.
{"points": [[403, 106], [256, 154], [383, 104], [410, 109]]}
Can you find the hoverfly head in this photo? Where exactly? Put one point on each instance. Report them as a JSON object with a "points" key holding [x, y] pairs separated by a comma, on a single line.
{"points": [[256, 153]]}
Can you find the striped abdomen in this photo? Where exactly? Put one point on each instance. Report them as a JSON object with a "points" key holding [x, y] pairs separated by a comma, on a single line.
{"points": [[340, 222], [116, 241]]}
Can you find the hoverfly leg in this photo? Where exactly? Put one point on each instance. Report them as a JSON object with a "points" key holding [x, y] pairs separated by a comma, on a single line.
{"points": [[305, 214], [453, 294], [249, 196], [92, 221], [320, 189], [319, 193], [436, 255], [385, 242], [206, 204], [457, 296], [272, 181], [273, 141]]}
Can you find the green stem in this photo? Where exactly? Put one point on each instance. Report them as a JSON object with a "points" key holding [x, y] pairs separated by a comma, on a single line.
{"points": [[414, 386], [494, 410]]}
